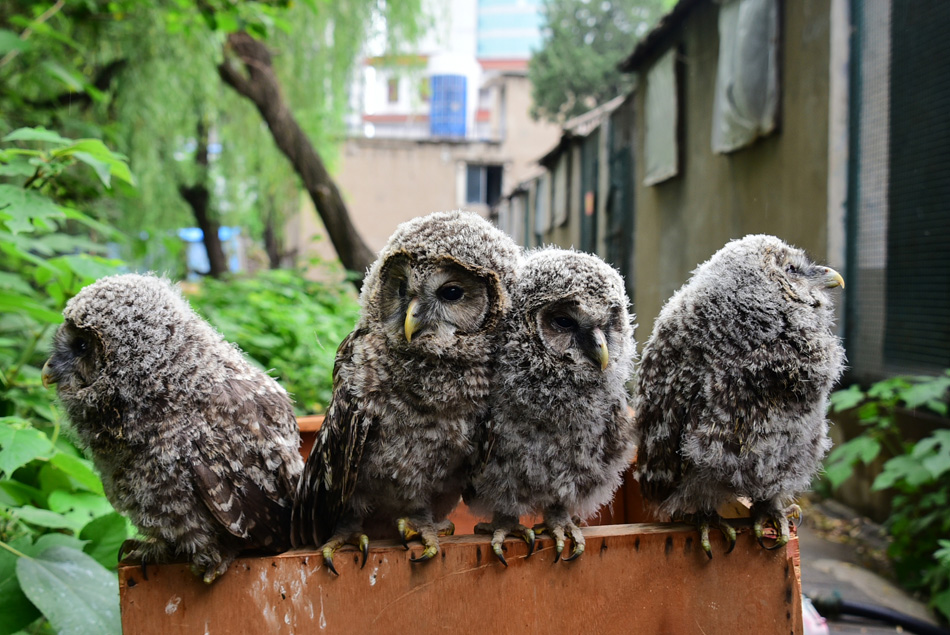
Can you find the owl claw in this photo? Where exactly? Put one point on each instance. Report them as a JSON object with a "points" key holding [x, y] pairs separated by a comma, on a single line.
{"points": [[364, 548], [427, 554], [561, 533], [499, 551], [778, 520], [707, 520], [499, 529], [328, 559], [359, 540]]}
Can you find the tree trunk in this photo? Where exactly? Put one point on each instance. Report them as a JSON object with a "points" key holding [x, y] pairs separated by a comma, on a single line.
{"points": [[271, 241], [198, 197], [260, 85]]}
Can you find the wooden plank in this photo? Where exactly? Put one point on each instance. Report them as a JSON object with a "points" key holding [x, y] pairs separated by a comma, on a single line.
{"points": [[633, 579]]}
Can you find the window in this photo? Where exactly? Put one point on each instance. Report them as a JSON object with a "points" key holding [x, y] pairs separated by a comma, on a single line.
{"points": [[661, 108], [392, 90], [746, 103], [483, 184]]}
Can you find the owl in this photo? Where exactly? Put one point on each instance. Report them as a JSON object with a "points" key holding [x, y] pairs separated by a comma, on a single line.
{"points": [[560, 435], [195, 445], [732, 387], [410, 388]]}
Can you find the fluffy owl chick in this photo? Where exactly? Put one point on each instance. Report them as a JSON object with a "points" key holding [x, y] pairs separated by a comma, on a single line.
{"points": [[194, 444], [560, 435], [733, 383], [410, 385]]}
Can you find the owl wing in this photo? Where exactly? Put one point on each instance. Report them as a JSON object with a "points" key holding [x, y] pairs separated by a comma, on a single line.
{"points": [[258, 513], [331, 471], [663, 413]]}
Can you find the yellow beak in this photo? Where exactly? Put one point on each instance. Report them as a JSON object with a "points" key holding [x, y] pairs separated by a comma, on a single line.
{"points": [[47, 375], [412, 322], [601, 341], [832, 278]]}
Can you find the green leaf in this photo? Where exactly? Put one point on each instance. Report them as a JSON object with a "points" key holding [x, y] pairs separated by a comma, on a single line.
{"points": [[101, 168], [17, 610], [17, 167], [79, 470], [930, 389], [904, 468], [941, 602], [14, 493], [75, 593], [20, 446], [14, 302], [36, 134], [43, 518], [105, 535], [838, 473], [79, 508], [92, 267], [91, 223], [10, 41], [96, 150], [73, 81], [24, 206], [841, 400]]}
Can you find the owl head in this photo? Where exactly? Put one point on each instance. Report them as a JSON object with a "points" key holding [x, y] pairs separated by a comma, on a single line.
{"points": [[440, 280], [125, 339], [762, 271], [572, 309]]}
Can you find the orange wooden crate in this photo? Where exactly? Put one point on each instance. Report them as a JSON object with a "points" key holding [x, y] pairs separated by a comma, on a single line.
{"points": [[634, 578], [640, 578]]}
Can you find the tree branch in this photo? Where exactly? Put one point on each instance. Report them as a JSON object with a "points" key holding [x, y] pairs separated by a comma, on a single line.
{"points": [[258, 83]]}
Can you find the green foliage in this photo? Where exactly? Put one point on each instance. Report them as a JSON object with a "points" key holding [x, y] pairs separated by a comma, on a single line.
{"points": [[918, 474], [576, 67], [59, 535], [287, 323], [142, 75]]}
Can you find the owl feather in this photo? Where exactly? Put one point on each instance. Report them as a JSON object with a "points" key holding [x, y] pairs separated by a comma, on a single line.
{"points": [[410, 384], [733, 383], [194, 444], [560, 435]]}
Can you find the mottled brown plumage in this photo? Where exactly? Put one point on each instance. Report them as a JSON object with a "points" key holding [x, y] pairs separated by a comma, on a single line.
{"points": [[732, 387], [410, 384], [194, 444]]}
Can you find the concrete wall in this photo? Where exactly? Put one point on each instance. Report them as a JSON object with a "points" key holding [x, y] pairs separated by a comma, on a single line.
{"points": [[387, 181], [778, 185]]}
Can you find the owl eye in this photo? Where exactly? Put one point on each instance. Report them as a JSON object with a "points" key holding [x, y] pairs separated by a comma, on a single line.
{"points": [[451, 293], [564, 322], [79, 345], [402, 288], [792, 269]]}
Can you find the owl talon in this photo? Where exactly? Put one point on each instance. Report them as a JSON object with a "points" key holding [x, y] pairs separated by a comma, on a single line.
{"points": [[445, 528], [779, 521], [704, 522], [427, 554], [364, 548], [499, 551]]}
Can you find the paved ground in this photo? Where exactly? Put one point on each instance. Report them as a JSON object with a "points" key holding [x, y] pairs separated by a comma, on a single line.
{"points": [[830, 567]]}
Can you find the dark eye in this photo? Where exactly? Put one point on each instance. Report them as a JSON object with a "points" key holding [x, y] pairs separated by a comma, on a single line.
{"points": [[564, 322], [792, 269], [451, 293], [402, 288], [79, 345]]}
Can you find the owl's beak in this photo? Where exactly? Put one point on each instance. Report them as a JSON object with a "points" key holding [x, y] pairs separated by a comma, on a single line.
{"points": [[600, 343], [412, 322], [832, 278], [47, 375]]}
